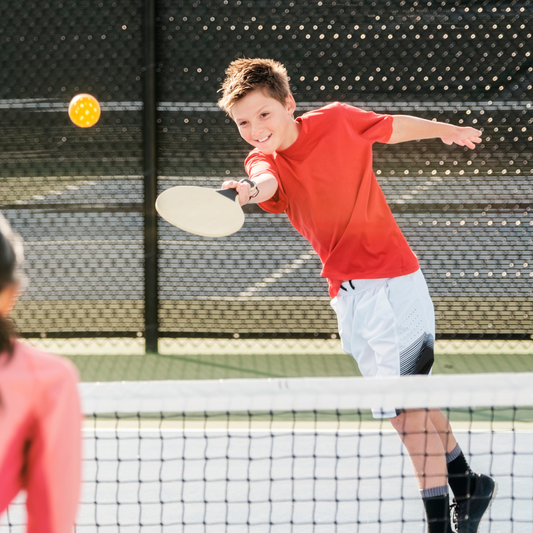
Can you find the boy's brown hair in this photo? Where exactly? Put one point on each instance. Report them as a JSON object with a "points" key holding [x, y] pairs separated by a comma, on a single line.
{"points": [[245, 75]]}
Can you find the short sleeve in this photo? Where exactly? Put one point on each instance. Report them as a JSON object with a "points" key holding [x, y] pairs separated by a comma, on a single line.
{"points": [[258, 163], [369, 125]]}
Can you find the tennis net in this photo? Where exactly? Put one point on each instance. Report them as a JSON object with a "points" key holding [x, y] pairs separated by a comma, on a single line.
{"points": [[290, 455]]}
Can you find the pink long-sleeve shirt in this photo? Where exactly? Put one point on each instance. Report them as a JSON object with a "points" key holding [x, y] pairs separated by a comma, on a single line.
{"points": [[40, 437]]}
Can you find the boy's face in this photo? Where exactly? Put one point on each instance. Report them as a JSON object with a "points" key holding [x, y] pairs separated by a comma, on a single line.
{"points": [[264, 122]]}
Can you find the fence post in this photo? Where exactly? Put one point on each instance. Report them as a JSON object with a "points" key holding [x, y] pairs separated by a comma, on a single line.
{"points": [[151, 294]]}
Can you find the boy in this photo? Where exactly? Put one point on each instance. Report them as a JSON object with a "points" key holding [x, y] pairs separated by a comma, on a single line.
{"points": [[318, 169]]}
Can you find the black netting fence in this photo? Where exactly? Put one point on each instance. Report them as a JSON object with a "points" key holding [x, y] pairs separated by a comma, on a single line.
{"points": [[78, 196]]}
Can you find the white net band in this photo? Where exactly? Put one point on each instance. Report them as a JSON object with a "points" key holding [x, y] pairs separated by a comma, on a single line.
{"points": [[308, 394]]}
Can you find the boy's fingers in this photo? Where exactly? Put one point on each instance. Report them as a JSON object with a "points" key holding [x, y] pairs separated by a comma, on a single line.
{"points": [[473, 132], [244, 192]]}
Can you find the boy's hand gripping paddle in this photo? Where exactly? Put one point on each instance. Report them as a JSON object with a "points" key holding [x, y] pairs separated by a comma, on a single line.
{"points": [[202, 211]]}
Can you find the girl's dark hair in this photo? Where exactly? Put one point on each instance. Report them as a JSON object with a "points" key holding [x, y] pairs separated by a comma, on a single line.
{"points": [[11, 258]]}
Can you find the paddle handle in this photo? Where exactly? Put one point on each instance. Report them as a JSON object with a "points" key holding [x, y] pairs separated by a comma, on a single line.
{"points": [[229, 193], [232, 193]]}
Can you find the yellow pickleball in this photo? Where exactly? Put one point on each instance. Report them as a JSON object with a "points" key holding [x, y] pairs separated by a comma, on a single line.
{"points": [[84, 110]]}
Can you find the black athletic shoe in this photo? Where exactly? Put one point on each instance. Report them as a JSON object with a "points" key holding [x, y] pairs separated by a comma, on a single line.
{"points": [[468, 512]]}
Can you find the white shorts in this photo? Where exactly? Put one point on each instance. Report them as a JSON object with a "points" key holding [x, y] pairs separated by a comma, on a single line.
{"points": [[388, 326]]}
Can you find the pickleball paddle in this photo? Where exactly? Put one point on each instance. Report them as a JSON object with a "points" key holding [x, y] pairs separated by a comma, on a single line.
{"points": [[202, 211]]}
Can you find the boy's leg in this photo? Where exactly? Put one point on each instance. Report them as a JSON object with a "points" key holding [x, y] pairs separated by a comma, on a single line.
{"points": [[460, 477], [424, 446], [473, 492], [428, 457], [442, 425]]}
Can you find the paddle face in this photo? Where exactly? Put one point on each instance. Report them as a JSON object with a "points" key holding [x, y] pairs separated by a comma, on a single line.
{"points": [[202, 211]]}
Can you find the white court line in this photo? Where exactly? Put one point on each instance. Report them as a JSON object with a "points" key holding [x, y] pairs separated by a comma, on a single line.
{"points": [[277, 274], [489, 105], [52, 105], [87, 180], [84, 242]]}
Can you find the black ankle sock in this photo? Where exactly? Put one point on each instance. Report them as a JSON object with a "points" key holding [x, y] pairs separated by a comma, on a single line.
{"points": [[460, 477], [438, 514]]}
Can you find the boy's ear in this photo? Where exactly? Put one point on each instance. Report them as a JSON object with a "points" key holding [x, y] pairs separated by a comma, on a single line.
{"points": [[291, 103]]}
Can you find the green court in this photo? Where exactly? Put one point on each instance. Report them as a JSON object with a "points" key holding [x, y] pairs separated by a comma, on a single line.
{"points": [[124, 359]]}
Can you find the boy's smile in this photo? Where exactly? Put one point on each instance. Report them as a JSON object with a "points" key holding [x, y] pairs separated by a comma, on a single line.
{"points": [[264, 122], [265, 139]]}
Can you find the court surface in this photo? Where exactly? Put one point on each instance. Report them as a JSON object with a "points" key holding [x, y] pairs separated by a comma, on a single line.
{"points": [[124, 359]]}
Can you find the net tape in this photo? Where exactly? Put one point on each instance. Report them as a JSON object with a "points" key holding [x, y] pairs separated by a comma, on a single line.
{"points": [[307, 394]]}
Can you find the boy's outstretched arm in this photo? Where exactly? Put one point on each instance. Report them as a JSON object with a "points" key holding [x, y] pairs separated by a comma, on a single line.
{"points": [[407, 128]]}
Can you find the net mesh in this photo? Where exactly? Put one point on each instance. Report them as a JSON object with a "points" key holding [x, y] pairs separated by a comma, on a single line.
{"points": [[291, 454], [76, 196]]}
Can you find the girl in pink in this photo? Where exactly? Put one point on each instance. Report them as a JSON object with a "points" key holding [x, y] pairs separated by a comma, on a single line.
{"points": [[40, 418]]}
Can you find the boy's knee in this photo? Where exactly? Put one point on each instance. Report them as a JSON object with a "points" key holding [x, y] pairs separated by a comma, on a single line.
{"points": [[411, 421], [398, 421]]}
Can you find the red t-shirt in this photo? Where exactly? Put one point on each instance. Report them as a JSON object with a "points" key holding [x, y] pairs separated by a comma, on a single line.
{"points": [[328, 189]]}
